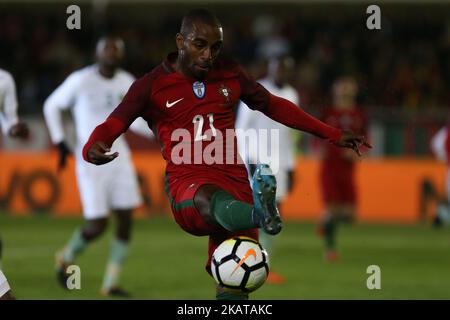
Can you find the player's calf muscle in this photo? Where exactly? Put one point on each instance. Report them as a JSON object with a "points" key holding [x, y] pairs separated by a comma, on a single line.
{"points": [[202, 201]]}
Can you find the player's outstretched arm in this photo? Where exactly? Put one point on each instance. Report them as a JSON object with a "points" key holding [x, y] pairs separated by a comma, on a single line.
{"points": [[256, 97], [287, 113], [284, 111]]}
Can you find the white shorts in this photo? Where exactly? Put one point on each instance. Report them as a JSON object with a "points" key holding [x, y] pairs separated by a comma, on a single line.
{"points": [[108, 187], [4, 286]]}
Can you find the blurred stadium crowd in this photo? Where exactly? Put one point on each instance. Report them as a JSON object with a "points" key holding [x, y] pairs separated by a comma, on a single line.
{"points": [[403, 70]]}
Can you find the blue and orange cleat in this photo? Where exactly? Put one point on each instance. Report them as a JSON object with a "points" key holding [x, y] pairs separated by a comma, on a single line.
{"points": [[265, 211]]}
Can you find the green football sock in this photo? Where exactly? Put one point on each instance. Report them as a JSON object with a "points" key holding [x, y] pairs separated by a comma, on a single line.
{"points": [[231, 296], [118, 253], [232, 214], [75, 246]]}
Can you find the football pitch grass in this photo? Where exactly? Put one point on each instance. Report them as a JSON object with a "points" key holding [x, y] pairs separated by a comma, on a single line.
{"points": [[167, 263]]}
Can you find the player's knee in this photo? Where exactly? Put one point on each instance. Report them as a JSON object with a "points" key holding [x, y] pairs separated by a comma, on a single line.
{"points": [[94, 228], [203, 203], [202, 199], [123, 216], [124, 222], [124, 229]]}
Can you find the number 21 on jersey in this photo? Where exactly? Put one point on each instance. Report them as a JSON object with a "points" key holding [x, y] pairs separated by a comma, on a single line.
{"points": [[198, 122]]}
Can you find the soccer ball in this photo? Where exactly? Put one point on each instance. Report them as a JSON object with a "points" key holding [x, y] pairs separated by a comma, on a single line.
{"points": [[240, 263]]}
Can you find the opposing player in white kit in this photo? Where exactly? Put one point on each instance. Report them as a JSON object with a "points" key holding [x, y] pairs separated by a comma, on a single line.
{"points": [[12, 127], [9, 120], [91, 94], [276, 83], [439, 146]]}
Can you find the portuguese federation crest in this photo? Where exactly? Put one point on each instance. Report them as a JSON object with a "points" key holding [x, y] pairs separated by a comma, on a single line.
{"points": [[199, 89], [225, 92]]}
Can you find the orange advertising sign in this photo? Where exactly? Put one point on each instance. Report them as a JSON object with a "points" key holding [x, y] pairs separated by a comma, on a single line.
{"points": [[389, 190]]}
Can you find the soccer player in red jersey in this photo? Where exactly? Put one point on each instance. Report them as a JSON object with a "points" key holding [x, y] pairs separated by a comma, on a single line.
{"points": [[188, 101], [338, 165]]}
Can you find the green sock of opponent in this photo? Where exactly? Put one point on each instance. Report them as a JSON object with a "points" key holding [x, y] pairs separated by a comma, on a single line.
{"points": [[75, 246], [117, 255], [266, 241]]}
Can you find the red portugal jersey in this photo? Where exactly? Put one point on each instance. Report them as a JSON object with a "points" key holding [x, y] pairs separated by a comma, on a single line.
{"points": [[194, 119]]}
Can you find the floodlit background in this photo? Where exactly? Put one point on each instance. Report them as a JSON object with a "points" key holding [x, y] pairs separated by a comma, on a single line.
{"points": [[403, 72]]}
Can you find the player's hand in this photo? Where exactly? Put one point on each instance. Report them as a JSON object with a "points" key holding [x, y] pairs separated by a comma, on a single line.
{"points": [[353, 141], [19, 130], [64, 152], [97, 153]]}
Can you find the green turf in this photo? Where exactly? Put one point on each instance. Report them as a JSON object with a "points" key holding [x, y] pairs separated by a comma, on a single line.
{"points": [[167, 263]]}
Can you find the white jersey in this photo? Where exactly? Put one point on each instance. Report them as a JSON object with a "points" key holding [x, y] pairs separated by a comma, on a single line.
{"points": [[438, 144], [8, 102], [91, 98], [252, 153], [249, 119]]}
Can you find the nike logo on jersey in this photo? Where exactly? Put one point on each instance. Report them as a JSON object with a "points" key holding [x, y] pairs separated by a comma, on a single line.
{"points": [[171, 104]]}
